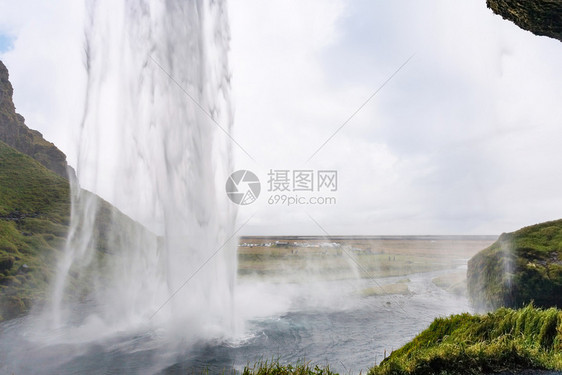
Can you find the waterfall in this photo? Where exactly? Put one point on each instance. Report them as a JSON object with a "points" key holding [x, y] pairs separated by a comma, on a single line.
{"points": [[151, 143]]}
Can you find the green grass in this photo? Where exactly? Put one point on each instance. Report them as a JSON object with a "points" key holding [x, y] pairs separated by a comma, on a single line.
{"points": [[34, 215], [27, 189], [506, 340], [276, 368]]}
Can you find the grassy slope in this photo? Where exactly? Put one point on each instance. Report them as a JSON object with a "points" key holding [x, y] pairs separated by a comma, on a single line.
{"points": [[34, 220], [518, 268], [34, 216], [505, 340]]}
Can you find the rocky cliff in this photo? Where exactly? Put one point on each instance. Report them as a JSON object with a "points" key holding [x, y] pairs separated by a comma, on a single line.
{"points": [[541, 17], [518, 268], [15, 133]]}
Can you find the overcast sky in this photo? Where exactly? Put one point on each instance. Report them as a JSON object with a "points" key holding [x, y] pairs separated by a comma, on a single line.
{"points": [[464, 139]]}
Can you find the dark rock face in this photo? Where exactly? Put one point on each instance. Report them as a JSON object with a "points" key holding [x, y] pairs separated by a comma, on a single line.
{"points": [[541, 17], [16, 134], [518, 268], [6, 263]]}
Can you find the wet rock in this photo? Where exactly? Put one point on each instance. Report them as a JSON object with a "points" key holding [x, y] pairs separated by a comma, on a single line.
{"points": [[541, 17]]}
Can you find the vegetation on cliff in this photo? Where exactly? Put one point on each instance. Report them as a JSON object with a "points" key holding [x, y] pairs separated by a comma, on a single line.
{"points": [[34, 221], [518, 268], [34, 217], [506, 340]]}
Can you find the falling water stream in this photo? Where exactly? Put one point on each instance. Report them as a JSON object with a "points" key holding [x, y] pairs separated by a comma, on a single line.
{"points": [[152, 142]]}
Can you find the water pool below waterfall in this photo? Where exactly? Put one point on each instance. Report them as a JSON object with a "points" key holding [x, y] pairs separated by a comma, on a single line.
{"points": [[342, 329]]}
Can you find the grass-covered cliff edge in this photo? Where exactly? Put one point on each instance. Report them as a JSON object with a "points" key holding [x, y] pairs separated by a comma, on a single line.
{"points": [[506, 340], [518, 268]]}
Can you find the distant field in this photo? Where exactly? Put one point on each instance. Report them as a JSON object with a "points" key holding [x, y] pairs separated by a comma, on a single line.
{"points": [[304, 258]]}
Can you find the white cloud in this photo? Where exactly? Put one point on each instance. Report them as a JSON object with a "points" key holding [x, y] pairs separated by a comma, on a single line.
{"points": [[434, 152]]}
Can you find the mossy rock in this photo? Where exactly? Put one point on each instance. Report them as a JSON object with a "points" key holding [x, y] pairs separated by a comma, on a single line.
{"points": [[518, 268]]}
